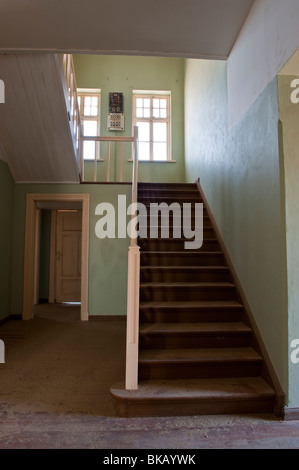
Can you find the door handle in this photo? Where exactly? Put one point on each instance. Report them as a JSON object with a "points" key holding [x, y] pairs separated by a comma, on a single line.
{"points": [[58, 255]]}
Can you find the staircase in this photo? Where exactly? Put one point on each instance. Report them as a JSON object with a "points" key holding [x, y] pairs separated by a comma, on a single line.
{"points": [[198, 352]]}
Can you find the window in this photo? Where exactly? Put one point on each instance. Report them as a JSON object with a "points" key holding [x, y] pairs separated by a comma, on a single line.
{"points": [[89, 104], [152, 116]]}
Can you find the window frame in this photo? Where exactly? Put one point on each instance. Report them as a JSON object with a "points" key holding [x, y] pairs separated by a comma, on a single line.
{"points": [[154, 94], [84, 93]]}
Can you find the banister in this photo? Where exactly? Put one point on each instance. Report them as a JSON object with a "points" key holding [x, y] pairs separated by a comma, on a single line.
{"points": [[131, 380], [69, 71]]}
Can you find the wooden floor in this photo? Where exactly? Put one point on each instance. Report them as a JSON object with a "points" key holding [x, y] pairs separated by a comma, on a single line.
{"points": [[54, 394]]}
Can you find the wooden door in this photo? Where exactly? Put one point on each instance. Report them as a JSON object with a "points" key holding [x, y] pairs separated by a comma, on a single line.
{"points": [[68, 256]]}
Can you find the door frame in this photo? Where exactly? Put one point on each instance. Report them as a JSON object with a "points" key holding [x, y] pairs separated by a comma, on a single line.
{"points": [[31, 251]]}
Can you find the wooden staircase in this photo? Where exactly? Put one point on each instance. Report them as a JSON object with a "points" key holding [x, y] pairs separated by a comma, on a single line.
{"points": [[198, 351]]}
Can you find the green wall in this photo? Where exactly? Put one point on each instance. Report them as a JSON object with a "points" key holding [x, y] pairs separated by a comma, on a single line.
{"points": [[125, 74], [44, 265], [6, 210], [289, 115], [107, 259], [239, 170]]}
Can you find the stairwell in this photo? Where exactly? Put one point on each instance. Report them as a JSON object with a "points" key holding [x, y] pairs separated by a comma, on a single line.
{"points": [[198, 350]]}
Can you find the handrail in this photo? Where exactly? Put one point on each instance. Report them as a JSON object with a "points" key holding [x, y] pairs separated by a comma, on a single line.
{"points": [[69, 70], [111, 139]]}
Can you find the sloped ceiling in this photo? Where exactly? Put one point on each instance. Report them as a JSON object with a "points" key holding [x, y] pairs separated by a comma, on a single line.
{"points": [[185, 28], [35, 134]]}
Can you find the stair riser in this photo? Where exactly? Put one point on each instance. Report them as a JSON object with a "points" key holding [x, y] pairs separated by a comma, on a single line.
{"points": [[159, 194], [167, 186], [168, 244], [194, 341], [171, 232], [160, 316], [145, 224], [156, 408], [185, 276], [150, 210], [197, 370], [189, 259], [169, 294]]}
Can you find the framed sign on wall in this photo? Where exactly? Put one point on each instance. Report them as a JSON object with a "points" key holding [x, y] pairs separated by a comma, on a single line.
{"points": [[115, 117]]}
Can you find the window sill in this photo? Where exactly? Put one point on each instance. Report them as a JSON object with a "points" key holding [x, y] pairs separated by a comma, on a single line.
{"points": [[91, 160], [154, 161]]}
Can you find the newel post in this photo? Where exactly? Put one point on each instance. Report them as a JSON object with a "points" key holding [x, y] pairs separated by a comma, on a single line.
{"points": [[132, 318]]}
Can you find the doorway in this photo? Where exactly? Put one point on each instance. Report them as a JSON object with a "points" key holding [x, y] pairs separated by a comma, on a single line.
{"points": [[74, 275]]}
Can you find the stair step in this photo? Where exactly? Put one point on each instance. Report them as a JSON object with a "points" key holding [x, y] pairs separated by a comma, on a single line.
{"points": [[198, 363], [184, 258], [168, 192], [176, 186], [149, 230], [194, 335], [195, 397], [187, 311], [184, 273], [187, 290], [187, 197], [176, 244]]}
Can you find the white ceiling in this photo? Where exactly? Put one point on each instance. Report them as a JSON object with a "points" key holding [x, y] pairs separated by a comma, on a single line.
{"points": [[183, 28]]}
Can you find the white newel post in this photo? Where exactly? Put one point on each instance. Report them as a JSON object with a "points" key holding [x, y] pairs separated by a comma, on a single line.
{"points": [[132, 318], [133, 290]]}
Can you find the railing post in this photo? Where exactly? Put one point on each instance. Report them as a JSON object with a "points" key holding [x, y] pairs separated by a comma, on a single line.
{"points": [[133, 289], [81, 143]]}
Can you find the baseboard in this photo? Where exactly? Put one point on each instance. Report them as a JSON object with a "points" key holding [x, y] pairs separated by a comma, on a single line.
{"points": [[107, 317], [291, 414], [10, 318]]}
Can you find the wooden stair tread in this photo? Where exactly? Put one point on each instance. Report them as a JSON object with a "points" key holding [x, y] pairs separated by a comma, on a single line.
{"points": [[239, 388], [183, 268], [202, 355], [181, 253], [194, 304], [184, 285], [195, 328]]}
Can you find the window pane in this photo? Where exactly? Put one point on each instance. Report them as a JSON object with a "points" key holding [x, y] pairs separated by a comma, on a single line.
{"points": [[147, 103], [94, 111], [144, 151], [156, 113], [160, 151], [160, 132], [163, 103], [139, 112], [163, 113], [156, 103], [143, 131], [94, 101], [139, 103], [89, 150], [90, 128], [147, 113]]}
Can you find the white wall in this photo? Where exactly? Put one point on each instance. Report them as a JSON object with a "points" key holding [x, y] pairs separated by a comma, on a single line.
{"points": [[267, 40]]}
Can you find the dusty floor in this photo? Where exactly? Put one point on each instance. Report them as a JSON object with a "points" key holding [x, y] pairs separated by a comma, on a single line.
{"points": [[55, 395]]}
